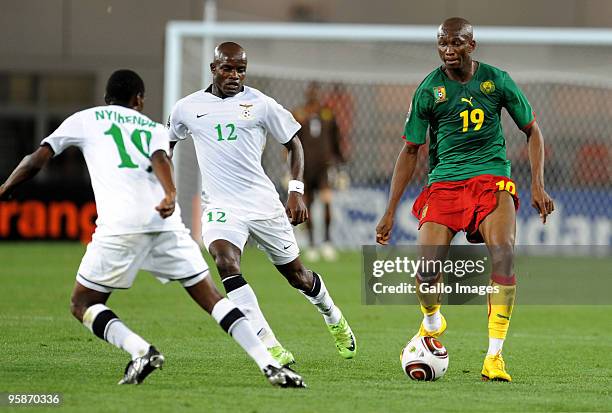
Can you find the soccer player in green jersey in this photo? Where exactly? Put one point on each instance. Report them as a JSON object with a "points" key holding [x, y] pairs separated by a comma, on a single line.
{"points": [[470, 187]]}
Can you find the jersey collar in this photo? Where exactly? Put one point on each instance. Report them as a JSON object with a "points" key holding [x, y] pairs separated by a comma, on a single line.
{"points": [[448, 79], [209, 91]]}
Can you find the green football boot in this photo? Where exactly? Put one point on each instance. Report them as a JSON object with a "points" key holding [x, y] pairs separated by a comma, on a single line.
{"points": [[344, 338], [282, 355]]}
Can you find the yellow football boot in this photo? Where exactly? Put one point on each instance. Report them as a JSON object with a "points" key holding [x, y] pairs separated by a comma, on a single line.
{"points": [[424, 333], [494, 368]]}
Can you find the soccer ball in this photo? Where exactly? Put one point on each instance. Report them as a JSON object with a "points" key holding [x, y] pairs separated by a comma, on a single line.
{"points": [[424, 359]]}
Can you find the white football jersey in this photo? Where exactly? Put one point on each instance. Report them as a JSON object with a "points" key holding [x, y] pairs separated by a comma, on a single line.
{"points": [[116, 143], [229, 136]]}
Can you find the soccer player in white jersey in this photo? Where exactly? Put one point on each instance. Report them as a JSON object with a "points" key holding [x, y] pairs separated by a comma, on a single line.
{"points": [[127, 157], [228, 123]]}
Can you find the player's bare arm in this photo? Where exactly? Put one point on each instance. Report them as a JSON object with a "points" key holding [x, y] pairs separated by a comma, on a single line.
{"points": [[402, 174], [162, 167], [296, 208], [29, 166], [540, 200]]}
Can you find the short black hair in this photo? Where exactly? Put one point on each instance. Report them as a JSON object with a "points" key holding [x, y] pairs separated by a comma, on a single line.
{"points": [[122, 86]]}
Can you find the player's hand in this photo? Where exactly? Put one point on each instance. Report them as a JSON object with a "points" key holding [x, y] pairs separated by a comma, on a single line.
{"points": [[166, 206], [541, 201], [5, 193], [296, 208], [383, 229]]}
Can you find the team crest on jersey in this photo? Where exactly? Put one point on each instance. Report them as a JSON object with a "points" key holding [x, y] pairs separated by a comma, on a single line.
{"points": [[439, 94], [487, 87], [245, 112]]}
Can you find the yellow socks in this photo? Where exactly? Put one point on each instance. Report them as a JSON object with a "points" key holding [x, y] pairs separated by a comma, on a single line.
{"points": [[501, 303]]}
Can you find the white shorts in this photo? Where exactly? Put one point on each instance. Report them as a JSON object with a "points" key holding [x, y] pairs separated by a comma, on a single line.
{"points": [[274, 235], [112, 261]]}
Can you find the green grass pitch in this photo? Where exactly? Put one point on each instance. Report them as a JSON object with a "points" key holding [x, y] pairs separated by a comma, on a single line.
{"points": [[559, 356]]}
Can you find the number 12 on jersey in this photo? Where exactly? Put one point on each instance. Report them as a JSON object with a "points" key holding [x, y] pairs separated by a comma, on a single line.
{"points": [[216, 216], [230, 130]]}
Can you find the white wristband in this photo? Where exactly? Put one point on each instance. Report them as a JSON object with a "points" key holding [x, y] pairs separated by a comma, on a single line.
{"points": [[296, 186]]}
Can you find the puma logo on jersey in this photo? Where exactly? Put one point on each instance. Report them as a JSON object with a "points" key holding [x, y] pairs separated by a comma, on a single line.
{"points": [[468, 101]]}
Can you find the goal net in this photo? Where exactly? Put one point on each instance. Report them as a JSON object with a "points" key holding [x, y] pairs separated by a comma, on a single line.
{"points": [[367, 75]]}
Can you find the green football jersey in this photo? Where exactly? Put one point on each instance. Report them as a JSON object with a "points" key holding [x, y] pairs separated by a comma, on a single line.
{"points": [[464, 121]]}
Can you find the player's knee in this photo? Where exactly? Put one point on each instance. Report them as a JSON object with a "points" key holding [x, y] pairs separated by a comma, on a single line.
{"points": [[427, 277], [227, 265], [502, 257], [77, 308]]}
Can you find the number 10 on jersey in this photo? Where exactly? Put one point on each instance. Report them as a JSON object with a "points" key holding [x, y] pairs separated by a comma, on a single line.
{"points": [[136, 138]]}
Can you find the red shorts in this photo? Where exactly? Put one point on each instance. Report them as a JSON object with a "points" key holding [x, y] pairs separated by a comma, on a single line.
{"points": [[462, 205]]}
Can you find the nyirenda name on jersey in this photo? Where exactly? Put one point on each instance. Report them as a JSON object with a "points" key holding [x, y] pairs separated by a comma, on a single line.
{"points": [[105, 114]]}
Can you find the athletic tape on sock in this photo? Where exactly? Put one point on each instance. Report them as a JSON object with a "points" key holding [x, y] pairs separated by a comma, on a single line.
{"points": [[91, 313], [233, 282], [316, 285], [226, 314], [227, 323], [97, 318]]}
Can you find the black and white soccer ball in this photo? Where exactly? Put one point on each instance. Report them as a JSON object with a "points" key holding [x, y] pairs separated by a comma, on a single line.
{"points": [[424, 359]]}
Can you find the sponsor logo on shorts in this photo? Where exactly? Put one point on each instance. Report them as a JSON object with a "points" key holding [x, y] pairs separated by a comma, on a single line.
{"points": [[424, 211]]}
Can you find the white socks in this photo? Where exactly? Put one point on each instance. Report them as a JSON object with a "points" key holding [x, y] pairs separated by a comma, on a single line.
{"points": [[432, 322], [322, 300], [119, 335], [234, 322], [244, 297], [495, 346], [105, 324]]}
